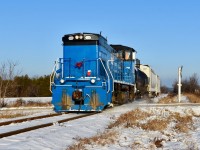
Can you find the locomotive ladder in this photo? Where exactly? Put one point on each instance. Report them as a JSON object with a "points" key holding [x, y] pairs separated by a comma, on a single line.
{"points": [[106, 74], [110, 73], [53, 75]]}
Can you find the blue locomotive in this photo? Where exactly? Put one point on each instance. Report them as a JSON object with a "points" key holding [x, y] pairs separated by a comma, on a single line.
{"points": [[92, 74]]}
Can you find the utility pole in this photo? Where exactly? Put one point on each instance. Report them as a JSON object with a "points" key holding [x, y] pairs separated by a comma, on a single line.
{"points": [[179, 83]]}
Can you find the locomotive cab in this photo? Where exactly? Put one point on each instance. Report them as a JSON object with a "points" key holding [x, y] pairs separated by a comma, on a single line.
{"points": [[127, 56], [125, 53]]}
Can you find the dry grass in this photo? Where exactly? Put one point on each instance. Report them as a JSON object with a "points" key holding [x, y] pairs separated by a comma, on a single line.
{"points": [[184, 119], [184, 123], [158, 142], [6, 114], [130, 119], [193, 98], [37, 104], [154, 144], [182, 127], [171, 98], [20, 103], [138, 118], [168, 99], [134, 118], [155, 125], [102, 139], [195, 114]]}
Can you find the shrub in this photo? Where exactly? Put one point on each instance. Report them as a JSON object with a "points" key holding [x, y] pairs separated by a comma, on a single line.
{"points": [[8, 114], [20, 102], [102, 139], [171, 98], [188, 85], [155, 125], [130, 119], [193, 98]]}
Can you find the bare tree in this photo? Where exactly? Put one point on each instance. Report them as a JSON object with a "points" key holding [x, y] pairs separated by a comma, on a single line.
{"points": [[7, 74], [164, 89], [193, 83], [190, 85]]}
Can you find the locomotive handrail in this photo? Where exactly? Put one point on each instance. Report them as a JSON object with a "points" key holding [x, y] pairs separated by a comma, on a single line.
{"points": [[110, 73], [52, 76], [106, 74]]}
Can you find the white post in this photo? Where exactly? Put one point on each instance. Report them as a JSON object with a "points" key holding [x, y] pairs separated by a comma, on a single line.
{"points": [[179, 83]]}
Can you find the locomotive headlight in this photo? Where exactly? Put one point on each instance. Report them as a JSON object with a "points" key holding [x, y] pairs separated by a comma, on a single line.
{"points": [[88, 37], [92, 81], [70, 38], [76, 37], [62, 81]]}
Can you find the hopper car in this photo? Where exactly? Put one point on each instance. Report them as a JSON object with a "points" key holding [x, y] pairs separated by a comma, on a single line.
{"points": [[147, 81]]}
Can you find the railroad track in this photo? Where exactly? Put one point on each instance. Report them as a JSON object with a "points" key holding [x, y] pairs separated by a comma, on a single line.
{"points": [[25, 108], [15, 132], [27, 119], [167, 105]]}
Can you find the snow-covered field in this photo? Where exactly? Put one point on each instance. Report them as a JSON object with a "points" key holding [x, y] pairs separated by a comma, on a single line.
{"points": [[61, 136], [10, 101]]}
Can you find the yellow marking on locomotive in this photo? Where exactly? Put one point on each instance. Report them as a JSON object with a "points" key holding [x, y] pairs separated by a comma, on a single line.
{"points": [[94, 102], [66, 101]]}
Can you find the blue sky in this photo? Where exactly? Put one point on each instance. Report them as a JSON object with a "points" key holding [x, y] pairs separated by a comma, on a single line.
{"points": [[165, 33]]}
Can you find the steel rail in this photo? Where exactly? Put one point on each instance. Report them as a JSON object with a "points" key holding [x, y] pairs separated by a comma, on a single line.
{"points": [[24, 108], [27, 119], [15, 132], [168, 105]]}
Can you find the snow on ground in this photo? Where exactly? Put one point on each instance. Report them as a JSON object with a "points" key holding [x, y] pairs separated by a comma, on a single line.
{"points": [[34, 99], [27, 112], [60, 136], [184, 99]]}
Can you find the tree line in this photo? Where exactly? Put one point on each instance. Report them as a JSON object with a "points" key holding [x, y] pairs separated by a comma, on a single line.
{"points": [[24, 86], [14, 85], [189, 85]]}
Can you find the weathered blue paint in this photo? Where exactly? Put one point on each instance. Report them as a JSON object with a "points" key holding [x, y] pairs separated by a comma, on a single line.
{"points": [[88, 70]]}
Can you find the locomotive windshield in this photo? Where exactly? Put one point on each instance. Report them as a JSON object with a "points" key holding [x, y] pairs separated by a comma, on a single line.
{"points": [[124, 52], [127, 55]]}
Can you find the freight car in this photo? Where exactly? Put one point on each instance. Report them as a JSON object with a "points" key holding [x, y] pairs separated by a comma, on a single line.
{"points": [[92, 74], [147, 81], [141, 83]]}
